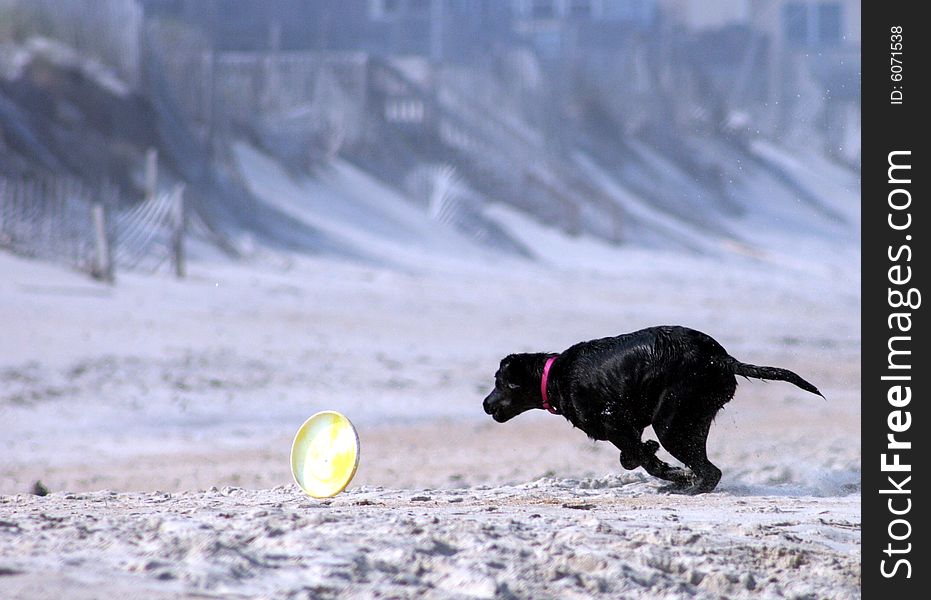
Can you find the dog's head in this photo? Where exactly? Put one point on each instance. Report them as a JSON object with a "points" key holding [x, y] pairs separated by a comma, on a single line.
{"points": [[517, 387]]}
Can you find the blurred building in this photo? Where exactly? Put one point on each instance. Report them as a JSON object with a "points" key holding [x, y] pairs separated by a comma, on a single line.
{"points": [[805, 23], [441, 30], [811, 24], [814, 67], [558, 28], [782, 65], [786, 65], [700, 15]]}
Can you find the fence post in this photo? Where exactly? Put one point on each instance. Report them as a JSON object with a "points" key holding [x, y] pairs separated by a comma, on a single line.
{"points": [[617, 233], [3, 203], [151, 173], [103, 267], [177, 231]]}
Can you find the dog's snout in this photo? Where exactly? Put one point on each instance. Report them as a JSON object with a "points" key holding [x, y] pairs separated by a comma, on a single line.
{"points": [[487, 403]]}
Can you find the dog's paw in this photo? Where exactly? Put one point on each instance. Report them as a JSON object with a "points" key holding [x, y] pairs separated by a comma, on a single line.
{"points": [[692, 487], [630, 462], [676, 487], [650, 447], [681, 480]]}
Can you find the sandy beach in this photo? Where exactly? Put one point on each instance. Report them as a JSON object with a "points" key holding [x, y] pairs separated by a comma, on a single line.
{"points": [[159, 415], [552, 538]]}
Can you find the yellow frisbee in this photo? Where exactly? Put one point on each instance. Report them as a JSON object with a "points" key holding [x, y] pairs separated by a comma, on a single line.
{"points": [[325, 454]]}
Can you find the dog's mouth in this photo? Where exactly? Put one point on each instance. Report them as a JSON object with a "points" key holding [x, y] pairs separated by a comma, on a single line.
{"points": [[501, 415], [500, 409]]}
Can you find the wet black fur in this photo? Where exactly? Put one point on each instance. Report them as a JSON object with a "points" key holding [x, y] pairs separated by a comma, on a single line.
{"points": [[673, 378]]}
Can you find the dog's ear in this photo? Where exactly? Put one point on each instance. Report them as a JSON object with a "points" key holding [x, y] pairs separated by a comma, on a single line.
{"points": [[514, 368], [507, 362]]}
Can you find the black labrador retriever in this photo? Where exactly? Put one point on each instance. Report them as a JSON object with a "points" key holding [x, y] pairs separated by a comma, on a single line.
{"points": [[673, 378]]}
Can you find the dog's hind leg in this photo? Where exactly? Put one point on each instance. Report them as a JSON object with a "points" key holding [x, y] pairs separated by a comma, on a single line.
{"points": [[682, 421]]}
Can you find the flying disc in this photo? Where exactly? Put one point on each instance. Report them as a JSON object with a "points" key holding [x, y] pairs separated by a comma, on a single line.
{"points": [[325, 454]]}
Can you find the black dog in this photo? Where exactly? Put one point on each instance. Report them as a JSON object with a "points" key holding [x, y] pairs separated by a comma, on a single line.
{"points": [[673, 378]]}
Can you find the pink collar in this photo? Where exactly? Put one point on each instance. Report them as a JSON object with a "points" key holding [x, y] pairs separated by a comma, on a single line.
{"points": [[543, 380]]}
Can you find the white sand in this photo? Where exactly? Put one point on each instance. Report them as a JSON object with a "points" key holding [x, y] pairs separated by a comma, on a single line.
{"points": [[609, 537], [181, 386]]}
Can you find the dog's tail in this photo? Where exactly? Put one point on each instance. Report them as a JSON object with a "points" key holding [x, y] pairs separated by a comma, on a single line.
{"points": [[774, 373]]}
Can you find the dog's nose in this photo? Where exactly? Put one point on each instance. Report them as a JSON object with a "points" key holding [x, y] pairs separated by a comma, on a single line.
{"points": [[487, 404]]}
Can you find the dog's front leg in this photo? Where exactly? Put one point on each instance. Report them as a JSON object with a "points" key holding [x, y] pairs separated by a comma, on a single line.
{"points": [[680, 478], [636, 453]]}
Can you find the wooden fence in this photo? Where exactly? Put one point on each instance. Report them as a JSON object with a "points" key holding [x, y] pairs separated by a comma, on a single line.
{"points": [[62, 220]]}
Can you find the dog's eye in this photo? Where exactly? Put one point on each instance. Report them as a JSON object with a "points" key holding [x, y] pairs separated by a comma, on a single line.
{"points": [[513, 386]]}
